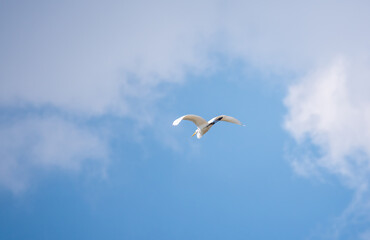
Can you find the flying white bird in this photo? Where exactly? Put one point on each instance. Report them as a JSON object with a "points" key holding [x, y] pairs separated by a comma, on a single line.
{"points": [[203, 125]]}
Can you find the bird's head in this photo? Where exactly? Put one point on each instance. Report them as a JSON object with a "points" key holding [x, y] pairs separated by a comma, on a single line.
{"points": [[195, 132]]}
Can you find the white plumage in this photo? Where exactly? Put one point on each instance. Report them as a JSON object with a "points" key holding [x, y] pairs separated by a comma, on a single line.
{"points": [[203, 125]]}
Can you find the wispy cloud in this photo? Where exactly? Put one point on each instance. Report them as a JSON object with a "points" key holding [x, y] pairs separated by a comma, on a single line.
{"points": [[86, 60], [88, 63], [36, 144], [95, 60], [92, 63], [328, 109]]}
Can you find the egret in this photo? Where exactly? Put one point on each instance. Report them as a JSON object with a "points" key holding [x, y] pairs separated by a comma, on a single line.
{"points": [[203, 125]]}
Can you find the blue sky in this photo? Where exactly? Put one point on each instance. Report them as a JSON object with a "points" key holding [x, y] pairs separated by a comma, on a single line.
{"points": [[89, 92]]}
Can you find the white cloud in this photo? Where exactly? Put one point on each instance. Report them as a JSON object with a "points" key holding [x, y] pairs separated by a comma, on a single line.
{"points": [[86, 58], [92, 59], [35, 144], [330, 108], [93, 63], [327, 108]]}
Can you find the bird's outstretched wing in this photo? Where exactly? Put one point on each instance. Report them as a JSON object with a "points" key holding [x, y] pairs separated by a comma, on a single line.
{"points": [[199, 121], [225, 118]]}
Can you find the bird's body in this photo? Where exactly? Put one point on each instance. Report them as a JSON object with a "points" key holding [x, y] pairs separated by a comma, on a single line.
{"points": [[202, 124]]}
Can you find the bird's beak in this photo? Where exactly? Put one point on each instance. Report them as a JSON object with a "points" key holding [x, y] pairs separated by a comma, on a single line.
{"points": [[194, 133]]}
